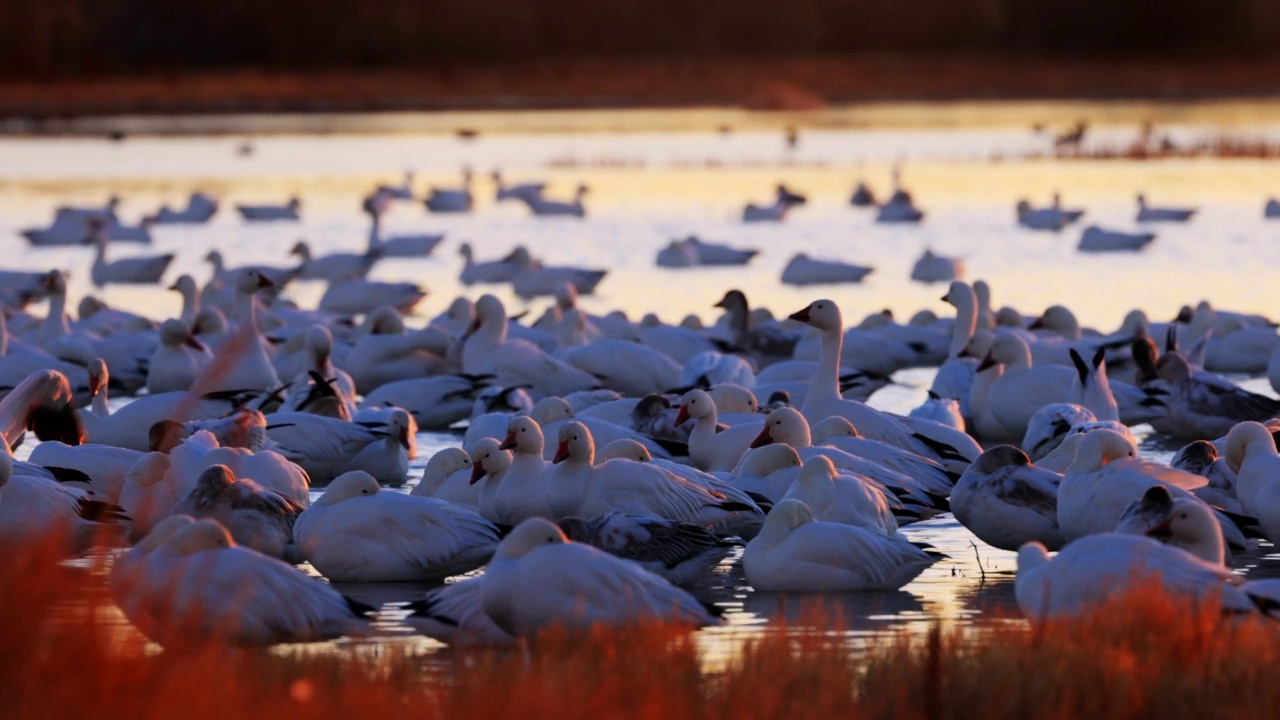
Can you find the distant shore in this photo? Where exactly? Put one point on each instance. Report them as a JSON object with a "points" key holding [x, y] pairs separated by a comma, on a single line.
{"points": [[814, 89]]}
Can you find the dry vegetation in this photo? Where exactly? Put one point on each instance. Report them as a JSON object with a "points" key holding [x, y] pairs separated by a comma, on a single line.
{"points": [[1143, 656]]}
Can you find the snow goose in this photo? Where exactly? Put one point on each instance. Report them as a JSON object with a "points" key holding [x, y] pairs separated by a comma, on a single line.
{"points": [[710, 448], [767, 213], [862, 195], [516, 191], [489, 462], [536, 280], [43, 403], [454, 614], [199, 585], [145, 270], [1091, 570], [265, 213], [1107, 476], [767, 472], [403, 191], [543, 207], [451, 200], [447, 477], [388, 352], [130, 425], [488, 350], [839, 433], [1149, 213], [104, 466], [802, 270], [682, 553], [359, 297], [823, 398], [34, 505], [932, 268], [178, 361], [1050, 425], [955, 376], [435, 402], [334, 267], [242, 362], [795, 553], [1048, 218], [1181, 522], [841, 497], [1271, 209], [945, 411], [201, 207], [357, 532], [1251, 451], [408, 246], [899, 209], [538, 579], [627, 367], [524, 494], [1201, 405], [678, 254], [257, 518], [327, 447], [1096, 239], [1007, 501], [493, 271], [718, 254], [576, 487], [1235, 347]]}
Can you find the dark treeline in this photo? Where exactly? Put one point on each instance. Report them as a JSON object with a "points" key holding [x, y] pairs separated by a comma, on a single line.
{"points": [[79, 38]]}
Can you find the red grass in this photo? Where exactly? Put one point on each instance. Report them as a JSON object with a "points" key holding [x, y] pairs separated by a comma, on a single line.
{"points": [[1146, 655]]}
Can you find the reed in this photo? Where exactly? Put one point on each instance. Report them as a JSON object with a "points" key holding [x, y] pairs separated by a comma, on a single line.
{"points": [[1141, 655]]}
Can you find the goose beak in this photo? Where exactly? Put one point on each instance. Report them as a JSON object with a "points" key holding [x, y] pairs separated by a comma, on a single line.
{"points": [[405, 440], [764, 438], [509, 443], [681, 415], [801, 315], [477, 472], [562, 453]]}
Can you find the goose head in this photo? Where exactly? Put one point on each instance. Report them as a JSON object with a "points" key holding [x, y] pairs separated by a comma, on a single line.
{"points": [[163, 530], [997, 458], [696, 404], [488, 458], [1173, 367], [786, 516], [301, 250], [550, 409], [624, 449], [348, 485], [185, 284], [576, 444], [524, 435], [491, 315], [1182, 522], [174, 334], [250, 281], [822, 314], [528, 536], [443, 464], [834, 426], [1245, 439], [734, 398], [817, 471], [959, 295], [199, 536], [767, 460], [784, 425]]}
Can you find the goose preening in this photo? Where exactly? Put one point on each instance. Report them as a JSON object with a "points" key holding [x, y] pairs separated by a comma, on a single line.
{"points": [[451, 200], [256, 517], [515, 191], [539, 579], [267, 213], [795, 553], [357, 532], [932, 268], [191, 582], [1096, 239], [1150, 213], [1007, 501], [129, 271], [201, 207], [544, 207], [803, 270]]}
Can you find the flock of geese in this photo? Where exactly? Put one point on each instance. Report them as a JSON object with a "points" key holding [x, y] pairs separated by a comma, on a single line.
{"points": [[607, 465]]}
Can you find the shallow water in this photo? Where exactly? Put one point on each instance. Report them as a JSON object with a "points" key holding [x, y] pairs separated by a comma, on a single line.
{"points": [[647, 187]]}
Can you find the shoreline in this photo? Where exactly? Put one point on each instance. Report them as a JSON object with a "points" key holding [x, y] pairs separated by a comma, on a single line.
{"points": [[648, 95]]}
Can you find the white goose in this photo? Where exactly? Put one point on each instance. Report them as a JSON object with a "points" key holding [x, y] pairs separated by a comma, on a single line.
{"points": [[435, 402], [1093, 569], [1007, 501], [178, 361], [35, 507], [841, 498], [524, 494], [357, 532], [795, 553], [538, 579], [710, 448], [242, 362], [199, 585], [537, 280], [489, 351], [542, 207], [955, 376], [493, 271], [767, 471], [451, 200], [839, 433], [578, 488], [1183, 523], [387, 352], [1202, 405], [407, 246], [359, 296], [447, 477], [265, 213], [1149, 213], [1251, 452], [334, 267], [104, 465], [143, 270], [327, 447], [1096, 239], [932, 268], [517, 191], [802, 270]]}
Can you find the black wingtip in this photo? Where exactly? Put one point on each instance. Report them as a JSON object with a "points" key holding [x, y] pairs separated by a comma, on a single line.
{"points": [[359, 609]]}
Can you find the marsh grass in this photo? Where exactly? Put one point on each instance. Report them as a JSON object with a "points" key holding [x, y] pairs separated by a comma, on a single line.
{"points": [[1141, 655]]}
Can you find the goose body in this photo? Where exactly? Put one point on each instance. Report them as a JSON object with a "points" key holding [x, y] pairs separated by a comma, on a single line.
{"points": [[1149, 213], [268, 213], [802, 270], [1007, 502], [327, 447], [1096, 239]]}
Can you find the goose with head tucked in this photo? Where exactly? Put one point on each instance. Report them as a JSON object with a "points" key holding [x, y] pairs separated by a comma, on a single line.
{"points": [[357, 532], [1180, 522], [1202, 405], [539, 579], [796, 553], [682, 553], [1007, 501], [447, 477], [198, 585], [256, 517], [841, 497], [327, 447], [767, 472]]}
